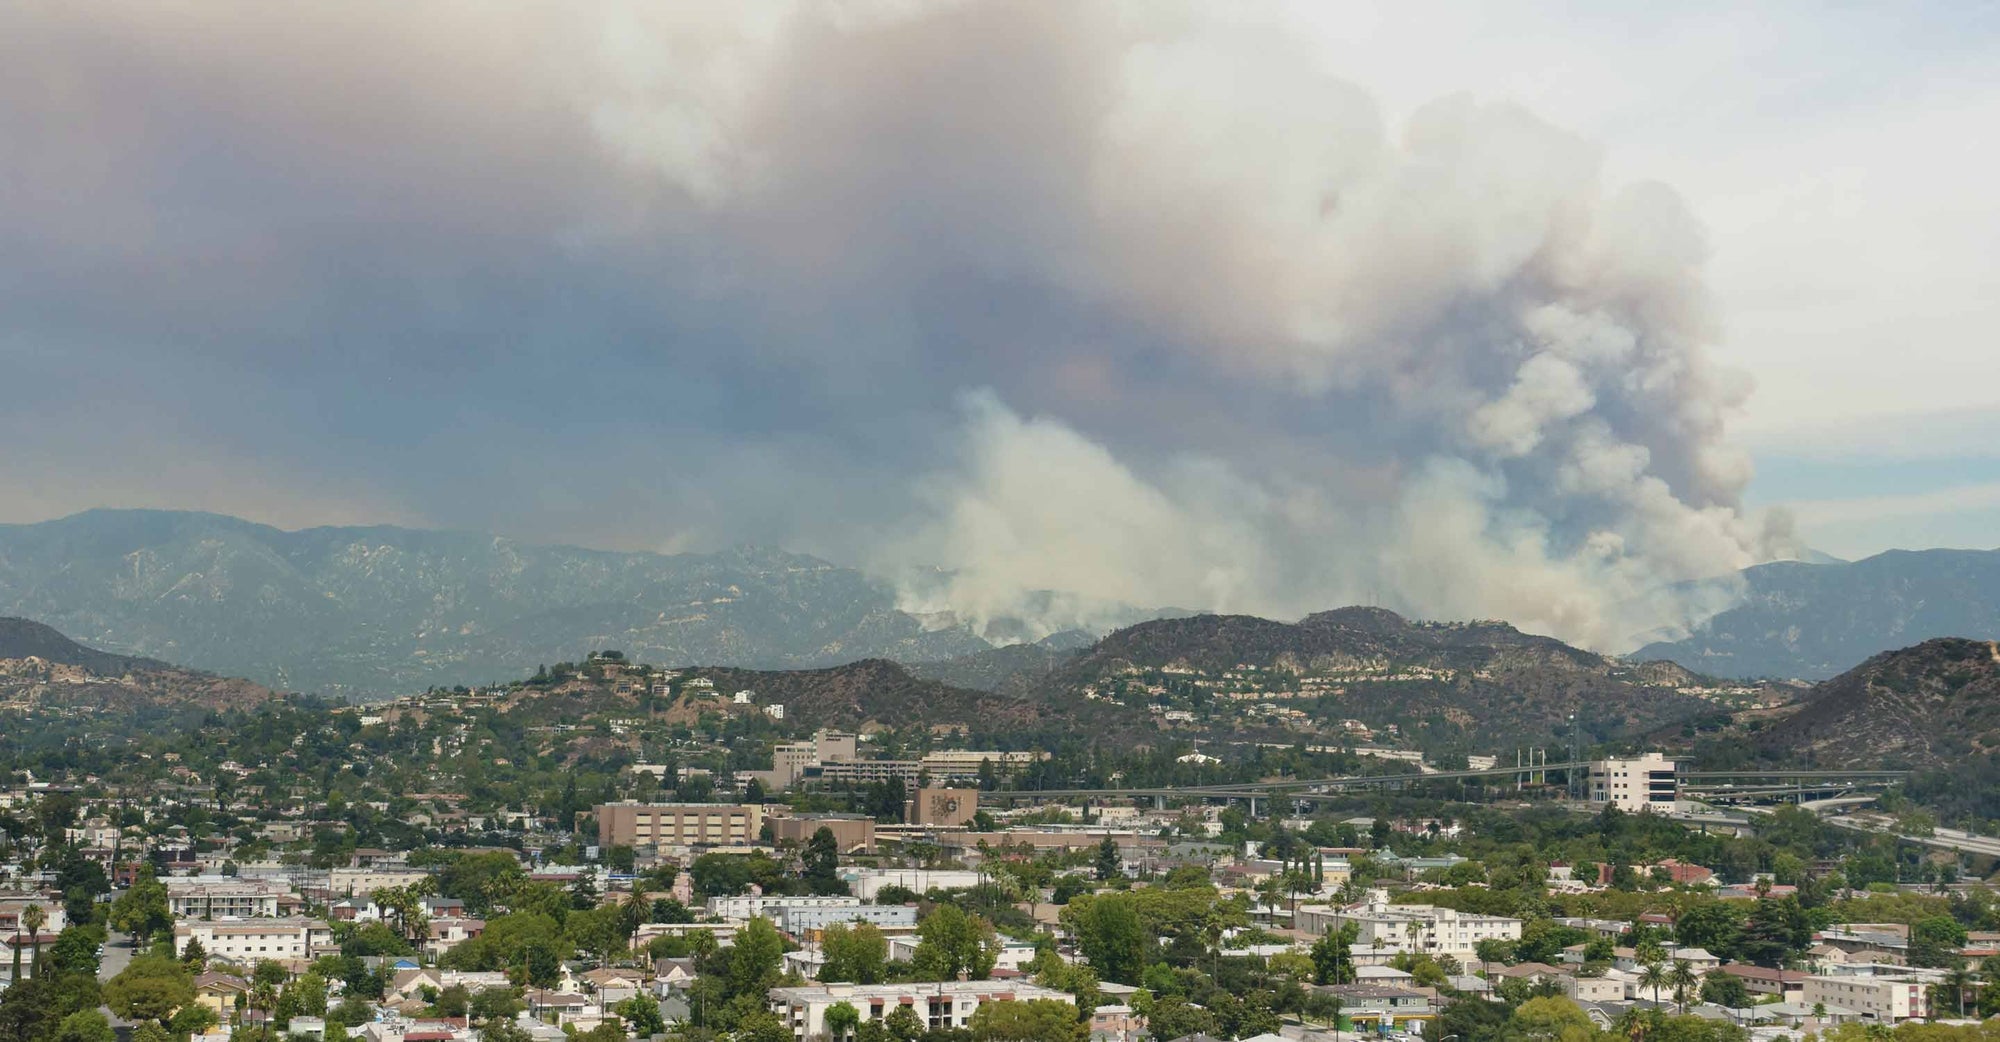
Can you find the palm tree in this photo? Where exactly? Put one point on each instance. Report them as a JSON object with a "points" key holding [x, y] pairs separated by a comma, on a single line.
{"points": [[1684, 980], [1957, 982], [1655, 976], [33, 917]]}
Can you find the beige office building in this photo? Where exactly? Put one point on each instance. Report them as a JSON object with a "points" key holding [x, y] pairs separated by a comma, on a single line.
{"points": [[678, 824]]}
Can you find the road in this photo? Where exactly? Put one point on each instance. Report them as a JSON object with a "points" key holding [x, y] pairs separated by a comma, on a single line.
{"points": [[117, 955]]}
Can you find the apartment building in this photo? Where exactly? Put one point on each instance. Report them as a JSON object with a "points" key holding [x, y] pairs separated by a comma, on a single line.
{"points": [[945, 1005], [1886, 998], [361, 882], [219, 897], [642, 825], [753, 906], [801, 921], [1385, 930], [1645, 783], [247, 941]]}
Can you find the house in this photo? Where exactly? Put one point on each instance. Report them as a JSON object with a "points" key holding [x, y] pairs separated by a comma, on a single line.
{"points": [[1787, 985], [674, 974], [613, 986], [1116, 1023], [1382, 1008], [220, 992], [559, 1007]]}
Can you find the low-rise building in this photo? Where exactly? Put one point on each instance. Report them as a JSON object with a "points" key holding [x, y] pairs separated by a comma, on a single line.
{"points": [[852, 833], [1886, 999], [945, 1005], [249, 941], [1386, 930], [218, 897]]}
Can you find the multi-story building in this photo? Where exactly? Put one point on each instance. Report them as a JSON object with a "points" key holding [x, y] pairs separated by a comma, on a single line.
{"points": [[1646, 783], [799, 921], [791, 760], [1385, 930], [851, 832], [248, 941], [752, 906], [946, 765], [678, 824], [362, 882], [866, 772], [12, 905], [1888, 997], [944, 807], [868, 882], [233, 897], [944, 1005]]}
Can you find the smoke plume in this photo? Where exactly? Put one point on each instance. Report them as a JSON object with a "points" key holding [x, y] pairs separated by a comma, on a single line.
{"points": [[1076, 308]]}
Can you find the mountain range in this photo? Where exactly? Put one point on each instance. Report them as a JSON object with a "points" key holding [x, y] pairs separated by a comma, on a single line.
{"points": [[1815, 620], [381, 610]]}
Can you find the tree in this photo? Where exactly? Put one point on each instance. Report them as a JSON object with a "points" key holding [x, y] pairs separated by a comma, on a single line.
{"points": [[194, 956], [854, 954], [822, 863], [142, 909], [903, 1024], [1714, 925], [1684, 981], [1654, 977], [1935, 940], [641, 1013], [951, 942], [754, 959], [1110, 864], [33, 917], [1724, 989], [1333, 955], [75, 951], [1174, 1017], [1113, 938], [86, 1025], [152, 987], [1036, 1020], [841, 1018], [492, 1005]]}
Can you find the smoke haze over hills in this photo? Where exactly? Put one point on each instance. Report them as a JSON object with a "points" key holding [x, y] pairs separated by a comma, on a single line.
{"points": [[1142, 304]]}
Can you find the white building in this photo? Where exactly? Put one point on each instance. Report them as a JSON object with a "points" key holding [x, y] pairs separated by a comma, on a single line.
{"points": [[248, 941], [1385, 930], [947, 1004], [750, 906], [1646, 783], [235, 897], [868, 882], [797, 921], [1886, 998]]}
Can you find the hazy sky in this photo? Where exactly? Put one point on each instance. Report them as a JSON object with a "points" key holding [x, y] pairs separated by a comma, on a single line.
{"points": [[1476, 309]]}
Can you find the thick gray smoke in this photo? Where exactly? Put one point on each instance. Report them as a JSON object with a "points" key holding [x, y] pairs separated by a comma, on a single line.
{"points": [[1528, 425], [1140, 304]]}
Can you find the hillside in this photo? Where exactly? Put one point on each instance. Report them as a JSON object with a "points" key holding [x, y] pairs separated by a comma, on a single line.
{"points": [[875, 693], [1931, 705], [1813, 621], [377, 610], [40, 669], [26, 638], [1013, 669], [1480, 685]]}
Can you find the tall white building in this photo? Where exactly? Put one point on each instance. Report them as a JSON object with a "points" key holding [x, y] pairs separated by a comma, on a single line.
{"points": [[1646, 783]]}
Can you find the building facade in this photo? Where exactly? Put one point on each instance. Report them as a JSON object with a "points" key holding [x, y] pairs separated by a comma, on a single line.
{"points": [[678, 824], [945, 1005], [1642, 784]]}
